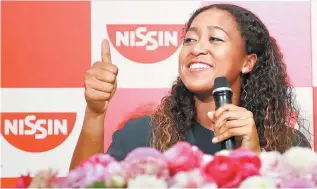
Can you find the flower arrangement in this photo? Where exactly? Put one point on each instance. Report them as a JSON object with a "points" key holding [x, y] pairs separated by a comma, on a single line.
{"points": [[185, 166]]}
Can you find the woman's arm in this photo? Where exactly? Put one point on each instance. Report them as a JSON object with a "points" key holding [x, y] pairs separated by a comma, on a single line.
{"points": [[91, 138]]}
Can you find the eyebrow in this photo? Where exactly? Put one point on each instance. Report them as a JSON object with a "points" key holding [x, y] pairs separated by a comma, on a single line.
{"points": [[211, 27]]}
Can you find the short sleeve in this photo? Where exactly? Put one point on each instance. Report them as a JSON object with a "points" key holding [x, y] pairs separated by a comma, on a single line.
{"points": [[116, 149], [135, 133], [300, 140]]}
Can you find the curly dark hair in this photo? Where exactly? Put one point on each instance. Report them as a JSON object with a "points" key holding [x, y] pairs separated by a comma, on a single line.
{"points": [[265, 91]]}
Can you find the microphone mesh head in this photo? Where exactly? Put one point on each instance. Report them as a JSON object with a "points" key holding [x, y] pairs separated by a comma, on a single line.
{"points": [[221, 82]]}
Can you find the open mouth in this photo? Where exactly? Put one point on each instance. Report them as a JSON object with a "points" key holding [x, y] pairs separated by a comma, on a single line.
{"points": [[199, 66]]}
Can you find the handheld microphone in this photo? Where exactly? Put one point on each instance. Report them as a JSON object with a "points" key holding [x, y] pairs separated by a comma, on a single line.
{"points": [[222, 94]]}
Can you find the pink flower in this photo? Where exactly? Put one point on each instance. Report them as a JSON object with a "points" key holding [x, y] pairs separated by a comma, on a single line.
{"points": [[102, 159], [146, 161], [183, 157], [142, 152], [297, 183], [249, 162], [147, 166], [88, 172], [224, 171], [78, 178], [242, 152], [24, 181]]}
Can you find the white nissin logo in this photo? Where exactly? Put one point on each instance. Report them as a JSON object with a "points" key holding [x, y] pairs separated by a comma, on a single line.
{"points": [[128, 38], [26, 127]]}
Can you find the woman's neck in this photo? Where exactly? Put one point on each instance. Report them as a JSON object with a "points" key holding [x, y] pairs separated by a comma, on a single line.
{"points": [[205, 103], [203, 106]]}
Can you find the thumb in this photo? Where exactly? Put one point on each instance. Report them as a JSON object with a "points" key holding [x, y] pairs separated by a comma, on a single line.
{"points": [[212, 118], [105, 51], [211, 115]]}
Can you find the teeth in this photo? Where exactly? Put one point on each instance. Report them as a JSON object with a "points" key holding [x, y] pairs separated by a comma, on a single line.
{"points": [[199, 65]]}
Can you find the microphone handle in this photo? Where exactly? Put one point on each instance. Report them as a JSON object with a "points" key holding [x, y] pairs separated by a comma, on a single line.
{"points": [[221, 98]]}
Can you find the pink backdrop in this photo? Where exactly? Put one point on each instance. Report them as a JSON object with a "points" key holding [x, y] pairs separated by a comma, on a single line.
{"points": [[48, 46]]}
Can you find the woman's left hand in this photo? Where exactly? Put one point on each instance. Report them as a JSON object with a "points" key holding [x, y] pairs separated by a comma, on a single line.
{"points": [[234, 121]]}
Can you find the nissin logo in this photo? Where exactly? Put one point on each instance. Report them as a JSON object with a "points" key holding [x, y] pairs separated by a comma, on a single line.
{"points": [[37, 132], [146, 43]]}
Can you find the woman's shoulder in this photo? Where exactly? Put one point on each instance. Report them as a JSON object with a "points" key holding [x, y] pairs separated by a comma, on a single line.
{"points": [[136, 130], [299, 139], [137, 125], [135, 133]]}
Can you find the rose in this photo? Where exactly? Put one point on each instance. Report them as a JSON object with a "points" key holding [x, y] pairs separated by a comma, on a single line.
{"points": [[24, 181], [224, 171], [90, 171], [242, 152], [142, 152], [249, 166], [249, 162], [102, 159], [146, 161], [183, 157], [147, 166], [81, 177]]}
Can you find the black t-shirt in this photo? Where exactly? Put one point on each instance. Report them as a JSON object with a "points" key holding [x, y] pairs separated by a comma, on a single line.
{"points": [[137, 133]]}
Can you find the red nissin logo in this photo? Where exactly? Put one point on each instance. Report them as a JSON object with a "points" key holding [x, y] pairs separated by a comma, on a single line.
{"points": [[146, 43], [37, 132]]}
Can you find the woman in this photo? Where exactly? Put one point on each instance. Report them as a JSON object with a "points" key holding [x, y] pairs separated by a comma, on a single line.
{"points": [[220, 40]]}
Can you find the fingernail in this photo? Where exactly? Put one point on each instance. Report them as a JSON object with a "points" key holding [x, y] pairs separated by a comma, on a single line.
{"points": [[215, 139], [210, 114]]}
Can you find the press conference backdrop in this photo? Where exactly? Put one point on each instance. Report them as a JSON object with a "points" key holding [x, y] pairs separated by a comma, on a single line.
{"points": [[46, 48]]}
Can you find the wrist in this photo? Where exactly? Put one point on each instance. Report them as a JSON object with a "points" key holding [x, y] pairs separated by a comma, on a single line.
{"points": [[253, 145], [257, 149], [93, 123], [93, 114]]}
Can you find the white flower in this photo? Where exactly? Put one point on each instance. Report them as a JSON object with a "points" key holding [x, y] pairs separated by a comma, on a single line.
{"points": [[113, 174], [258, 182], [206, 159], [194, 148], [146, 181], [298, 161], [223, 153], [210, 185], [188, 179], [42, 179], [269, 163], [117, 182], [114, 168]]}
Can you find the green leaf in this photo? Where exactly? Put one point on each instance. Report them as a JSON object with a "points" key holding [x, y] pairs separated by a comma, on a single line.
{"points": [[98, 184]]}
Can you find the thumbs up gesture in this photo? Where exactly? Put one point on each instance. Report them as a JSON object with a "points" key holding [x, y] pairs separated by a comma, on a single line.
{"points": [[101, 82]]}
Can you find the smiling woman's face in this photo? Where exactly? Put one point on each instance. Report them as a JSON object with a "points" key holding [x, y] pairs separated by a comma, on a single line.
{"points": [[212, 47]]}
